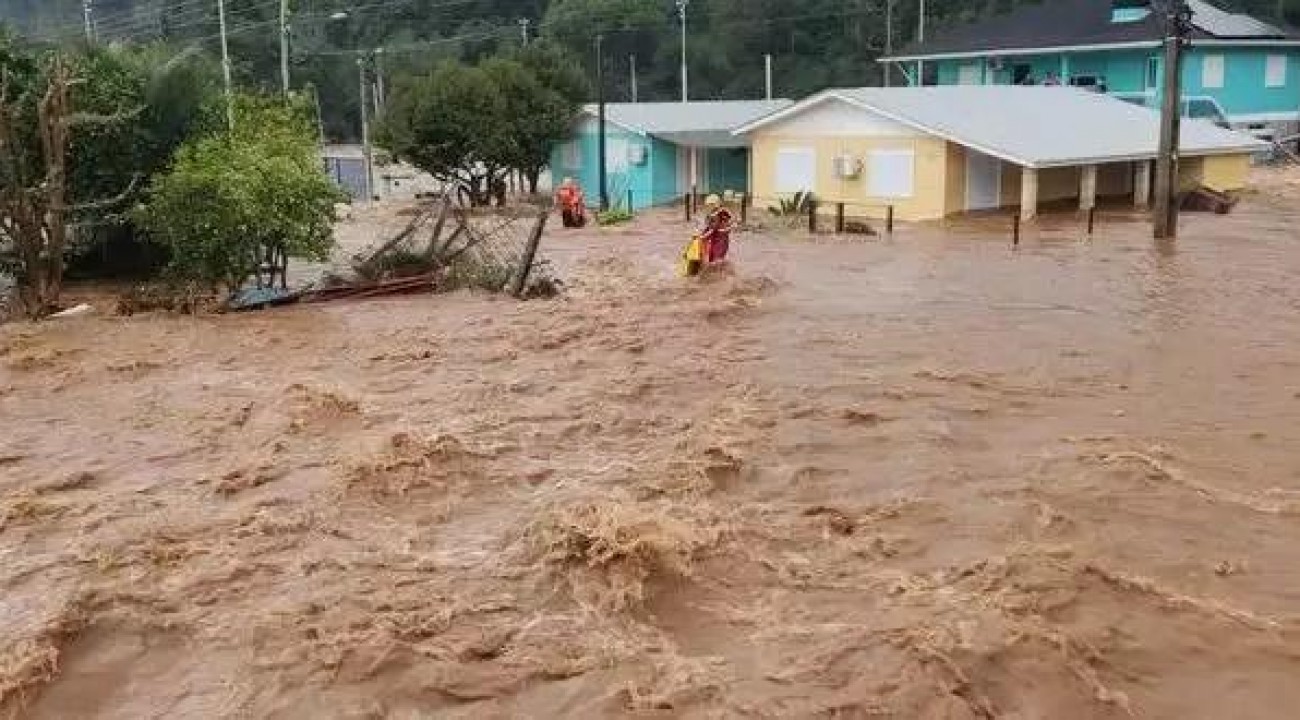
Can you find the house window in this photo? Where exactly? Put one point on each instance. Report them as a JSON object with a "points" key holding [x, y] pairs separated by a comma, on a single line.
{"points": [[1153, 73], [891, 173], [1129, 11], [1275, 71], [1212, 71], [571, 155], [796, 170], [970, 74], [616, 154]]}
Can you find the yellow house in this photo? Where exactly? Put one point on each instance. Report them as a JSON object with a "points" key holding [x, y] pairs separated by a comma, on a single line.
{"points": [[931, 152]]}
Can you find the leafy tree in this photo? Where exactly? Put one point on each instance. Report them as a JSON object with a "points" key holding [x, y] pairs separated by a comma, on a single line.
{"points": [[454, 124], [230, 196], [42, 121], [178, 97], [472, 124], [543, 93]]}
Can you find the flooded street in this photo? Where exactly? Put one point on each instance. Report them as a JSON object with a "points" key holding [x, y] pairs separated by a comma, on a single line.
{"points": [[925, 476]]}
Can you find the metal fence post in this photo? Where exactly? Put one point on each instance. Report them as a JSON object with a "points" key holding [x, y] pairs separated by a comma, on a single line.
{"points": [[1092, 214], [889, 220], [839, 217], [1015, 230]]}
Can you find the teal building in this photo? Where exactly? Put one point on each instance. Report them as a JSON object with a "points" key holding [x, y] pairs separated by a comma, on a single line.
{"points": [[655, 153], [1239, 70]]}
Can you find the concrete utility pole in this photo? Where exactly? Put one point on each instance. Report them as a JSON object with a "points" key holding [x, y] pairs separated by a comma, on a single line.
{"points": [[367, 152], [920, 38], [1178, 17], [603, 178], [225, 66], [889, 39], [381, 88], [523, 29], [767, 74], [87, 10], [284, 46], [681, 13], [632, 63]]}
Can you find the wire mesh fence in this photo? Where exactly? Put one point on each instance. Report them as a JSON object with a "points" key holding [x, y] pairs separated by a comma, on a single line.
{"points": [[447, 246]]}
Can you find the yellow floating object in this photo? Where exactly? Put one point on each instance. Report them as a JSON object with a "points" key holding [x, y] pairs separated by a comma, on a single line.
{"points": [[692, 257]]}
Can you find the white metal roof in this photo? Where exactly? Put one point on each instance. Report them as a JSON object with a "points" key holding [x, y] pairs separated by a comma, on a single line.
{"points": [[706, 123], [1034, 126], [1225, 24]]}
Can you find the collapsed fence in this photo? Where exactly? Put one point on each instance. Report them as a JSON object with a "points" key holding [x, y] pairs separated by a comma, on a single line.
{"points": [[447, 246]]}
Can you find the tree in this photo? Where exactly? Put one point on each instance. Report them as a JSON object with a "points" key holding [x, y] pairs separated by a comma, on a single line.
{"points": [[543, 92], [472, 124], [38, 116], [231, 196], [179, 98]]}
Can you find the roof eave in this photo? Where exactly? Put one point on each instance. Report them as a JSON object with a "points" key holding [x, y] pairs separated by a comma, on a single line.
{"points": [[1095, 47], [1015, 52]]}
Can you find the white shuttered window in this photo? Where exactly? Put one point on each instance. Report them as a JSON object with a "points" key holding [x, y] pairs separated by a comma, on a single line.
{"points": [[891, 173], [1212, 71], [796, 170], [1275, 71]]}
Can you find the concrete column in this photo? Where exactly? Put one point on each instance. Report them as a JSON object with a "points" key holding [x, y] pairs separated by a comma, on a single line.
{"points": [[1142, 184], [1028, 193], [1088, 188]]}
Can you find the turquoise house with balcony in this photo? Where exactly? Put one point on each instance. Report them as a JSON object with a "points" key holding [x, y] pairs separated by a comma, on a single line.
{"points": [[1239, 70], [655, 153]]}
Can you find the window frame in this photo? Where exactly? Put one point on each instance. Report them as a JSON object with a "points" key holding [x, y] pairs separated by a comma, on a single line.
{"points": [[1214, 71], [804, 151], [875, 191], [1275, 76]]}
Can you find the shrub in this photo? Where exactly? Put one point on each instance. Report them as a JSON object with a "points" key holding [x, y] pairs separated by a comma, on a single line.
{"points": [[616, 216], [230, 195]]}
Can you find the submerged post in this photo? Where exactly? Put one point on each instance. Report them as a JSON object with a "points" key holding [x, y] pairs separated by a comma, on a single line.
{"points": [[530, 255]]}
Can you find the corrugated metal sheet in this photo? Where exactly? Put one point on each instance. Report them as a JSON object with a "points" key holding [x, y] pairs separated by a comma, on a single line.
{"points": [[1033, 126], [1223, 24]]}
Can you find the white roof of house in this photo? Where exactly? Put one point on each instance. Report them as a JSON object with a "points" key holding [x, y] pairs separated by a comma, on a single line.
{"points": [[1033, 126], [706, 123], [1225, 24]]}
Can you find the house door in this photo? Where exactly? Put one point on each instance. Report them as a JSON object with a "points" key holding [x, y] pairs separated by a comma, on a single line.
{"points": [[983, 181]]}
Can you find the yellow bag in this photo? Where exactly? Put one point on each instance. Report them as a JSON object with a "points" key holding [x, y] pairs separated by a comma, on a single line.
{"points": [[692, 257]]}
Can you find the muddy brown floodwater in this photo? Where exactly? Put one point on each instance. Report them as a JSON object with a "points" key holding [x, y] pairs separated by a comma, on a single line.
{"points": [[918, 477]]}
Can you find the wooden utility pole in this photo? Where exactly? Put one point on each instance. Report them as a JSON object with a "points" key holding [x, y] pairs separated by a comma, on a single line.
{"points": [[1165, 210]]}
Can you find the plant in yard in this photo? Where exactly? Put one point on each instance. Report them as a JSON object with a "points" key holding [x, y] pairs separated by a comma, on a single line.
{"points": [[230, 196], [794, 205], [614, 216]]}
